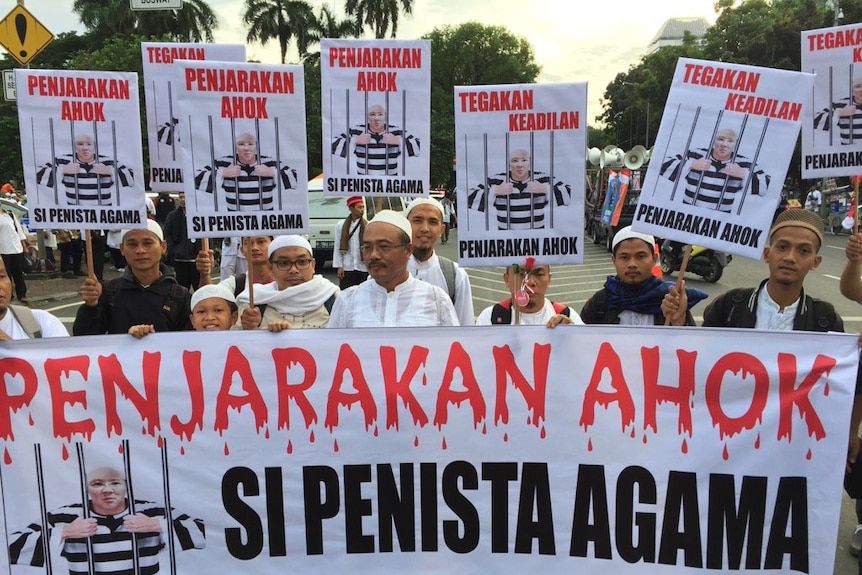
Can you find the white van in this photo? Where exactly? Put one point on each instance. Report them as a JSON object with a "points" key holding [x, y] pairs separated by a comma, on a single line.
{"points": [[325, 212]]}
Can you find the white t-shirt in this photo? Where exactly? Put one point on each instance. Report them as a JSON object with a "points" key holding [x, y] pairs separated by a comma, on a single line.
{"points": [[540, 317], [51, 326]]}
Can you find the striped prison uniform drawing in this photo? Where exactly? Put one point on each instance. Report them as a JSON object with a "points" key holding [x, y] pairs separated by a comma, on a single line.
{"points": [[92, 189], [376, 158], [247, 192], [112, 544], [167, 133], [849, 127], [713, 181], [513, 212]]}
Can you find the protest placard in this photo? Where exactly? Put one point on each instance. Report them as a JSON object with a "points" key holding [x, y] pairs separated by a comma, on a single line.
{"points": [[376, 100], [243, 129], [721, 154], [81, 148], [832, 132], [166, 166], [521, 165]]}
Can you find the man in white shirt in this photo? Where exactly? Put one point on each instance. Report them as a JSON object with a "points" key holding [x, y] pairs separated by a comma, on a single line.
{"points": [[813, 199], [298, 298], [346, 257], [18, 322], [13, 242], [426, 220], [528, 306], [391, 297]]}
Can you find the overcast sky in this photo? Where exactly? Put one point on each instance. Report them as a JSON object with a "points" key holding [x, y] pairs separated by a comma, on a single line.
{"points": [[574, 40]]}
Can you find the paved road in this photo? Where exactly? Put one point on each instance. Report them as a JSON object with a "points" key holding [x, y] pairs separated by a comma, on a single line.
{"points": [[573, 285]]}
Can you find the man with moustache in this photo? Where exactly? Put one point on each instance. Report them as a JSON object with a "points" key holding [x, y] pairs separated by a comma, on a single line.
{"points": [[391, 297]]}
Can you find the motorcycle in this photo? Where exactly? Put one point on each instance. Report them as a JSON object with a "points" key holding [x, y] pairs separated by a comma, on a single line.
{"points": [[704, 262]]}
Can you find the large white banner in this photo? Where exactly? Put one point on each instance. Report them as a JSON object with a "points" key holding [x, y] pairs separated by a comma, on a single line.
{"points": [[243, 128], [521, 165], [722, 151], [832, 133], [166, 166], [504, 450], [81, 148], [376, 102]]}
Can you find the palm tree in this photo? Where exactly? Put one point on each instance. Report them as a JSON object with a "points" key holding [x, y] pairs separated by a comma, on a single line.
{"points": [[194, 22], [326, 25], [380, 15], [281, 20]]}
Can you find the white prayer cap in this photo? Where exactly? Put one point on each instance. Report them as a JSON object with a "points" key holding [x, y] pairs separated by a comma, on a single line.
{"points": [[288, 241], [393, 218], [153, 226], [425, 202], [628, 234], [212, 290]]}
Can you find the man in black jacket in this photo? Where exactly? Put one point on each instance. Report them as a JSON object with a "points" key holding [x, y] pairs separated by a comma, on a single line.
{"points": [[146, 293], [181, 250]]}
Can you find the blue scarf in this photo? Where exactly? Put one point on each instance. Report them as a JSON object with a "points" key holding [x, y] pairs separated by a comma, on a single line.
{"points": [[644, 297]]}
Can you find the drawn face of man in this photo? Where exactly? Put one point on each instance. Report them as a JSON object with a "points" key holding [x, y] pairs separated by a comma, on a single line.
{"points": [[725, 143], [246, 148], [84, 149], [107, 490], [376, 119], [857, 91], [519, 165]]}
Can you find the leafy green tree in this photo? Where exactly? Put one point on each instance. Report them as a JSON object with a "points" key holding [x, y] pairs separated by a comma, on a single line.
{"points": [[471, 54], [636, 98], [281, 20], [761, 33], [327, 25], [380, 15], [194, 22]]}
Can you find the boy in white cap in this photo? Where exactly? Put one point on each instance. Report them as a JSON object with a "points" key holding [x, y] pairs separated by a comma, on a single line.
{"points": [[391, 297], [426, 221], [297, 296], [213, 308], [635, 296], [146, 293]]}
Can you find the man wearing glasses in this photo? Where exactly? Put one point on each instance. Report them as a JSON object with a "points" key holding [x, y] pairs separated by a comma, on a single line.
{"points": [[297, 298], [391, 297]]}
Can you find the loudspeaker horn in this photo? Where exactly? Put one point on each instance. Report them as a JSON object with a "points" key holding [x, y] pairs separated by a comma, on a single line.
{"points": [[594, 155], [635, 157], [611, 157]]}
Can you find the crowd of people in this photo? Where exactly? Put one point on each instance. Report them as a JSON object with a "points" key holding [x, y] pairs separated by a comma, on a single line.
{"points": [[390, 276]]}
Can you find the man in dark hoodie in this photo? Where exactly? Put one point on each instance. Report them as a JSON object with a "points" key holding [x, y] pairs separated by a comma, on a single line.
{"points": [[146, 293]]}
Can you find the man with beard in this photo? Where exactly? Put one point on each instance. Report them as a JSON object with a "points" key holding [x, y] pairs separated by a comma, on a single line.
{"points": [[346, 257], [426, 220]]}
